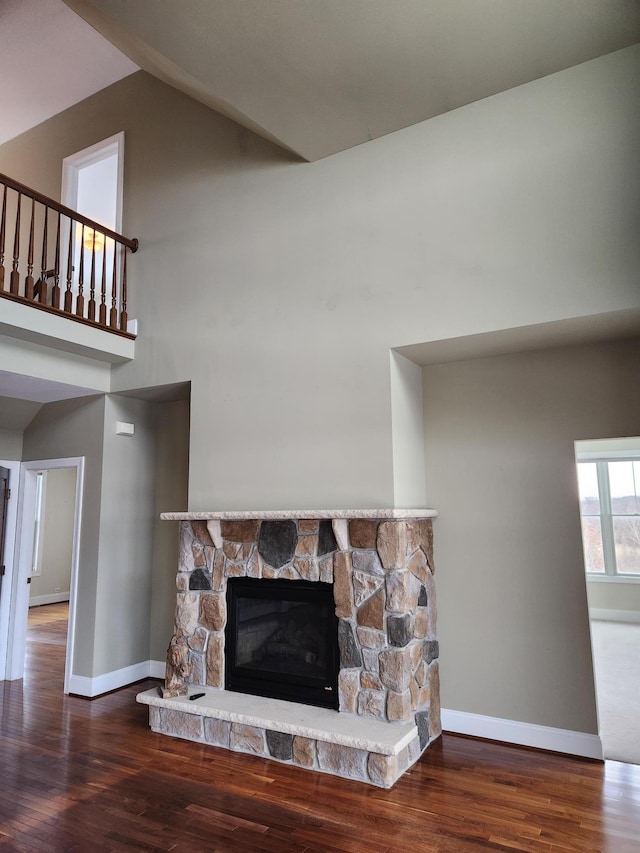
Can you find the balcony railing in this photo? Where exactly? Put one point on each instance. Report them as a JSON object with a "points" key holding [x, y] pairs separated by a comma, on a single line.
{"points": [[61, 261]]}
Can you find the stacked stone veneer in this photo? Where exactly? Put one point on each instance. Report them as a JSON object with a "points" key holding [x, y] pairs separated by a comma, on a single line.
{"points": [[382, 576], [363, 765]]}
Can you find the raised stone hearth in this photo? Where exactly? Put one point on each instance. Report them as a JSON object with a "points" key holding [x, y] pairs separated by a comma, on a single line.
{"points": [[380, 563]]}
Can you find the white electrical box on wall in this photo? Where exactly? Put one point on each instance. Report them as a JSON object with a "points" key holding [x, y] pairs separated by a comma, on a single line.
{"points": [[123, 428]]}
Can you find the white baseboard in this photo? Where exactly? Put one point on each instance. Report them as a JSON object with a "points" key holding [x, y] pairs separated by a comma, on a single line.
{"points": [[83, 685], [157, 668], [456, 722], [52, 598], [601, 615], [523, 734]]}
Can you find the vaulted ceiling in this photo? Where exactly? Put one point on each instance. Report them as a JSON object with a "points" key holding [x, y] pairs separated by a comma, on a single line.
{"points": [[49, 60], [320, 76], [314, 76]]}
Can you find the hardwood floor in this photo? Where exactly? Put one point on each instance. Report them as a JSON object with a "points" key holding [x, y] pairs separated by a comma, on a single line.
{"points": [[79, 775]]}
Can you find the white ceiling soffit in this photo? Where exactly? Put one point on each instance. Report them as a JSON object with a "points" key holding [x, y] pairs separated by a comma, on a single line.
{"points": [[591, 329], [49, 60], [39, 390], [320, 76]]}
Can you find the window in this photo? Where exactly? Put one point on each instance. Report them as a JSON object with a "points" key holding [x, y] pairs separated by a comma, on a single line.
{"points": [[609, 490], [36, 566]]}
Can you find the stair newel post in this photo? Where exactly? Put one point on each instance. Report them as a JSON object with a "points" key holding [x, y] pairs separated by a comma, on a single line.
{"points": [[68, 294], [91, 307], [3, 223], [28, 282], [102, 311], [80, 297], [42, 292], [113, 313], [123, 301], [14, 278], [55, 293]]}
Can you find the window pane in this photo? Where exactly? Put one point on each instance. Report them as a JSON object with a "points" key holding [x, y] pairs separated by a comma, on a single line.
{"points": [[592, 544], [626, 536], [624, 487], [588, 488]]}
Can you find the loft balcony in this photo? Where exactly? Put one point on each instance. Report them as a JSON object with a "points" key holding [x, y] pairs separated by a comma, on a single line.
{"points": [[63, 277]]}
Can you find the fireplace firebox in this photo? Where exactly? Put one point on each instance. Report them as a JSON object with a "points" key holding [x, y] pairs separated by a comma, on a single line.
{"points": [[281, 640]]}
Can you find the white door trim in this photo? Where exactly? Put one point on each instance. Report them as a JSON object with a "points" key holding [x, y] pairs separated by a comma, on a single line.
{"points": [[74, 162], [17, 632], [71, 167], [9, 561]]}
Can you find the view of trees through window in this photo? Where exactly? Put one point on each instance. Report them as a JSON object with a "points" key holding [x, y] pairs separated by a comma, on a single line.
{"points": [[610, 511]]}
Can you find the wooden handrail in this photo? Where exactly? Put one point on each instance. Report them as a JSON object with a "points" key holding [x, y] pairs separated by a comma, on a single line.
{"points": [[52, 204], [65, 241], [50, 310]]}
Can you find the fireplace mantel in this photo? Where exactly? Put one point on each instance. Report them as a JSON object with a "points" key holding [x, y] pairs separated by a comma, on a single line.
{"points": [[305, 514], [380, 565]]}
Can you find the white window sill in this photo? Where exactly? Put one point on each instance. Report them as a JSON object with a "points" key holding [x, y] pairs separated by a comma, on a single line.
{"points": [[613, 578]]}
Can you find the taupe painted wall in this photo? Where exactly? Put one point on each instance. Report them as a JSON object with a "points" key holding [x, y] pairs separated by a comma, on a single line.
{"points": [[75, 428], [172, 480], [10, 444], [277, 288], [407, 432], [512, 603], [123, 608], [58, 508]]}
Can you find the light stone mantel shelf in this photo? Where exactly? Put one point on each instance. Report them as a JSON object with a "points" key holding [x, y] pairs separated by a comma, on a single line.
{"points": [[283, 514]]}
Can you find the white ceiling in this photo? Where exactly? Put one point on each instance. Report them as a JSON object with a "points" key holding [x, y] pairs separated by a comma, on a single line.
{"points": [[49, 60], [39, 390], [591, 329], [320, 76], [315, 76]]}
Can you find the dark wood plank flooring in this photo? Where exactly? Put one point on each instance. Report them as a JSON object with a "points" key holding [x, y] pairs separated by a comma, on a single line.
{"points": [[79, 775]]}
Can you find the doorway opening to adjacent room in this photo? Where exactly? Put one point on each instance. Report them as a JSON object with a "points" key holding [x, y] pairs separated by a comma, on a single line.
{"points": [[47, 555], [609, 492], [92, 184]]}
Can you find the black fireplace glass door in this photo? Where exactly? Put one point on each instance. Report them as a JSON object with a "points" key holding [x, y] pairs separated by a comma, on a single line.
{"points": [[281, 640]]}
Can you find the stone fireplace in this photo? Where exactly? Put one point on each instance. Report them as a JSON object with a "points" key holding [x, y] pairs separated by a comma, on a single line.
{"points": [[379, 566]]}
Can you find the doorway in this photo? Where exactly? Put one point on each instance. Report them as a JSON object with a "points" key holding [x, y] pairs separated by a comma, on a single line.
{"points": [[92, 181], [31, 558], [92, 184], [49, 590], [53, 536], [609, 492]]}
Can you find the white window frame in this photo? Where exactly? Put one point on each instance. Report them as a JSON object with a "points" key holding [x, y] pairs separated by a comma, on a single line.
{"points": [[38, 524], [601, 460]]}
